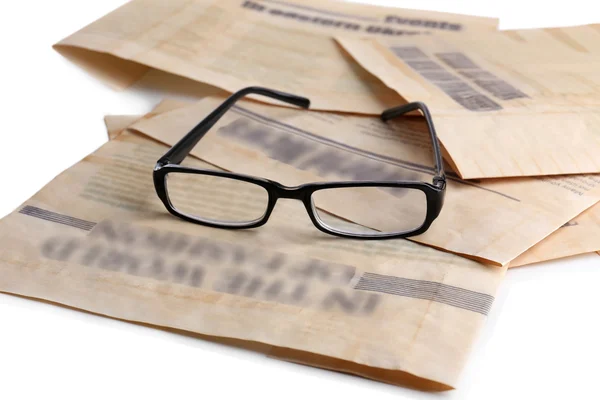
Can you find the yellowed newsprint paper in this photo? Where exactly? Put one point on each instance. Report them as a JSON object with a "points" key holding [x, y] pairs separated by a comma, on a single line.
{"points": [[237, 43], [505, 104], [579, 236], [98, 238], [491, 220]]}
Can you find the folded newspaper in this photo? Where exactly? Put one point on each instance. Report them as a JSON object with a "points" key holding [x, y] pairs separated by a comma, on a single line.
{"points": [[98, 238], [236, 43], [516, 103], [490, 220], [579, 236]]}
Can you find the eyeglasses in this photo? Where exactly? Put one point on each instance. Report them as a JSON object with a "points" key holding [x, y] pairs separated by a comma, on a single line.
{"points": [[362, 209]]}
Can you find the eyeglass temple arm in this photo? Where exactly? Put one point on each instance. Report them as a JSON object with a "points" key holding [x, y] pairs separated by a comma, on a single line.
{"points": [[440, 177], [181, 149]]}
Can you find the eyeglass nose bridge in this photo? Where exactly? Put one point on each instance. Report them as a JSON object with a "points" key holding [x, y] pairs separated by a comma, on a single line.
{"points": [[291, 192]]}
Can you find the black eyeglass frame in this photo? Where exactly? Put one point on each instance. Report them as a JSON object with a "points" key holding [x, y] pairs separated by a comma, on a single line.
{"points": [[169, 163]]}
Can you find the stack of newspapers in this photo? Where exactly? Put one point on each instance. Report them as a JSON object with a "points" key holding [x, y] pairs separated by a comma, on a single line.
{"points": [[517, 115]]}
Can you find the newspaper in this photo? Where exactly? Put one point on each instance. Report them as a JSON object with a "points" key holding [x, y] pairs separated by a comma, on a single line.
{"points": [[582, 38], [492, 220], [579, 236], [517, 103], [237, 43], [98, 238]]}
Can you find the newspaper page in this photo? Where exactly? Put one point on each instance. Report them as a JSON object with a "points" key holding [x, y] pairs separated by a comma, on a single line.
{"points": [[579, 236], [506, 104], [237, 43], [491, 220], [98, 238], [581, 39]]}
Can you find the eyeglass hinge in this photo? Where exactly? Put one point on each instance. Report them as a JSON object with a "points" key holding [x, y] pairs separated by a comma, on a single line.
{"points": [[439, 181], [161, 163]]}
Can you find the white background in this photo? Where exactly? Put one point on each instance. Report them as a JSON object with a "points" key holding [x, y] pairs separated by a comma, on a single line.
{"points": [[541, 339]]}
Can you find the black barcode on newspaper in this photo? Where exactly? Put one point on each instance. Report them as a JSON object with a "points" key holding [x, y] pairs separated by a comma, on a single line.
{"points": [[426, 290], [451, 84], [489, 82], [62, 219]]}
